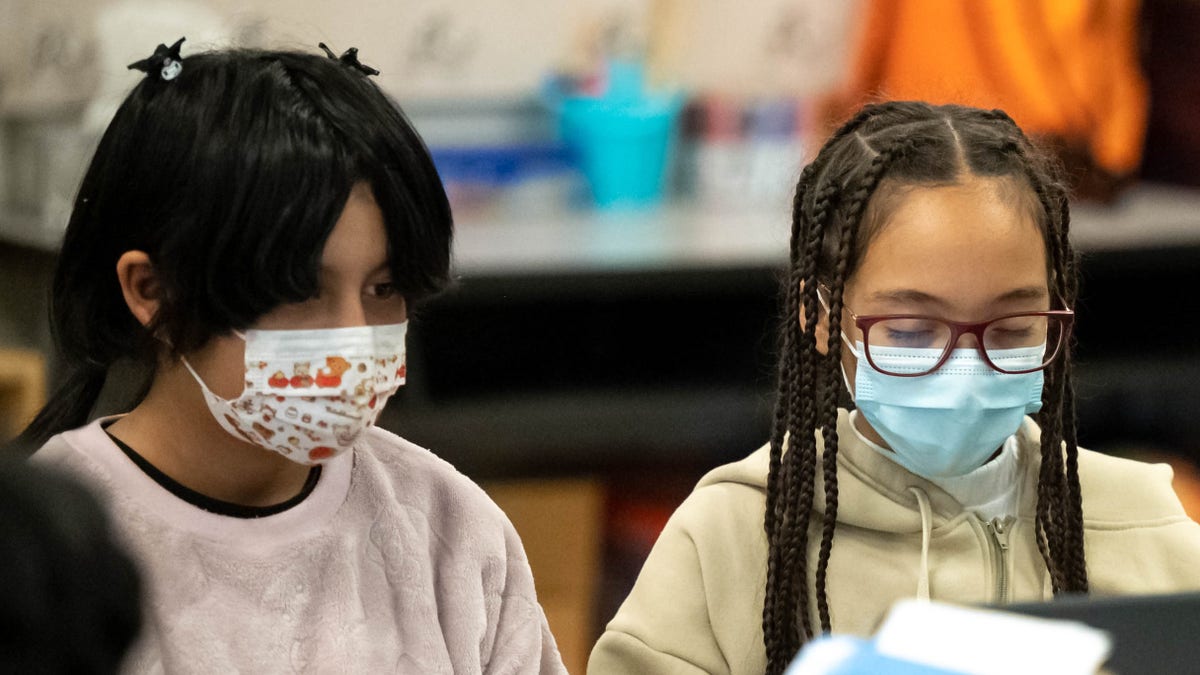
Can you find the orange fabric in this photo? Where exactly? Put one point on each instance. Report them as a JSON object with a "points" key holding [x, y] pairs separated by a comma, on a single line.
{"points": [[1187, 486], [1063, 67]]}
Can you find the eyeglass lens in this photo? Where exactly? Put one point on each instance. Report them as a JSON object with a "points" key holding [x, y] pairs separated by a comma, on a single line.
{"points": [[913, 345]]}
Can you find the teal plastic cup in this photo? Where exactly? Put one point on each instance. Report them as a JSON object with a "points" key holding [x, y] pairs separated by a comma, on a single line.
{"points": [[624, 146]]}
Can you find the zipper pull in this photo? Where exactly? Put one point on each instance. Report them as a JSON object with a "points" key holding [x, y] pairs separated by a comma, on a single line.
{"points": [[1000, 529]]}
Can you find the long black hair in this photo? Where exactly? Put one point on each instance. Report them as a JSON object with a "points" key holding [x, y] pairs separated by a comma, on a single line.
{"points": [[230, 177], [840, 203]]}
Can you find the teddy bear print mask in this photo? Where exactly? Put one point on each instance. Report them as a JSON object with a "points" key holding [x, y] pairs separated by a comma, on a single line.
{"points": [[309, 394]]}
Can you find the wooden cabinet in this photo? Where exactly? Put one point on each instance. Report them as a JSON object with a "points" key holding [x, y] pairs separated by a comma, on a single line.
{"points": [[22, 389]]}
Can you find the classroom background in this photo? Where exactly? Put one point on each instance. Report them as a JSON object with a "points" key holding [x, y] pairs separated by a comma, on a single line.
{"points": [[620, 173]]}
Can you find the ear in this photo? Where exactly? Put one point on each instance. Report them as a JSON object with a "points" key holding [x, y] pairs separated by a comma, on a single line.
{"points": [[139, 285], [821, 331]]}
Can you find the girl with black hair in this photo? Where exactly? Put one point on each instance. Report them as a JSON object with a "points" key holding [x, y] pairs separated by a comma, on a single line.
{"points": [[255, 227], [932, 276]]}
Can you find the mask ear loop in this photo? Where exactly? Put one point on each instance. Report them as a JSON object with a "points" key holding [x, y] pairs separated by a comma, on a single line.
{"points": [[199, 380], [846, 341], [846, 380], [196, 376]]}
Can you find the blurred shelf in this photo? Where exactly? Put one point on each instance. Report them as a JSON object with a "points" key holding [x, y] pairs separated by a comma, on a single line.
{"points": [[674, 236], [1146, 216], [690, 235]]}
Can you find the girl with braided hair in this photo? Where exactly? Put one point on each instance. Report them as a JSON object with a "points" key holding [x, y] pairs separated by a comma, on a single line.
{"points": [[253, 231], [932, 279]]}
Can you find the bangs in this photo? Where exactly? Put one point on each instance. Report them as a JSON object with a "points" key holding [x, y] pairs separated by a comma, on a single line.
{"points": [[262, 176], [416, 211], [377, 144]]}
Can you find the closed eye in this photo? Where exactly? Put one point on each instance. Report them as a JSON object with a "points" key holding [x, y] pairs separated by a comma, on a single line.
{"points": [[909, 338]]}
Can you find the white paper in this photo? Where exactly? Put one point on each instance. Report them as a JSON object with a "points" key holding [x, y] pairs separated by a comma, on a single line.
{"points": [[990, 642]]}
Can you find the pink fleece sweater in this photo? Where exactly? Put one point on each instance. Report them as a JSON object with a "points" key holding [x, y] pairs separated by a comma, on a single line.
{"points": [[395, 563]]}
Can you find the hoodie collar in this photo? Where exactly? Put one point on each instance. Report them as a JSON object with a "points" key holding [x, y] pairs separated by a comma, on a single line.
{"points": [[989, 491], [870, 486]]}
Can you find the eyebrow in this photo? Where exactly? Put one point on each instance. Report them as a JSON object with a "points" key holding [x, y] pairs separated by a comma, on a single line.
{"points": [[1026, 293], [381, 267], [914, 297]]}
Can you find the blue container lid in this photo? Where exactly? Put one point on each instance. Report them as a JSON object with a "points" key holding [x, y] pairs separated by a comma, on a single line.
{"points": [[502, 165]]}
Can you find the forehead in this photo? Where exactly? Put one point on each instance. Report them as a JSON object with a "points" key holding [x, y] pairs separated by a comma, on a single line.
{"points": [[965, 243], [358, 239]]}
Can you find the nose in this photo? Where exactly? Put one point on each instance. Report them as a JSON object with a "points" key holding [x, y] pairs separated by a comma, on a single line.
{"points": [[970, 341], [967, 341], [350, 312]]}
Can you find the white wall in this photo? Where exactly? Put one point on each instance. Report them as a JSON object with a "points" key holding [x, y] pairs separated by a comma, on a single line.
{"points": [[452, 48]]}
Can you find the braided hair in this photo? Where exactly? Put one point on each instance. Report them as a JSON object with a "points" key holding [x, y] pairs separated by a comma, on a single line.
{"points": [[839, 205]]}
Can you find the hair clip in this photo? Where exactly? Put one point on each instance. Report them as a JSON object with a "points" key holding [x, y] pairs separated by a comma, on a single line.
{"points": [[350, 58], [165, 61]]}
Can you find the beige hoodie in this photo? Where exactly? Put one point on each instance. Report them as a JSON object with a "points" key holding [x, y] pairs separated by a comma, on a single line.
{"points": [[697, 605]]}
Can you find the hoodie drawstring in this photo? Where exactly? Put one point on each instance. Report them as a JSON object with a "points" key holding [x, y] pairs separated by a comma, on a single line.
{"points": [[926, 531]]}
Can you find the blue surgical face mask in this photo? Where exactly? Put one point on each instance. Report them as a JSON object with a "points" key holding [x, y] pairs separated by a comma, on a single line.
{"points": [[949, 422]]}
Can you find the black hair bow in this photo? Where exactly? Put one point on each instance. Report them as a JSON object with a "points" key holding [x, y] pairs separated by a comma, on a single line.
{"points": [[165, 61], [350, 58]]}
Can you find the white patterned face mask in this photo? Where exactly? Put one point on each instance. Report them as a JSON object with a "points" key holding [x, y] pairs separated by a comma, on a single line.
{"points": [[310, 394]]}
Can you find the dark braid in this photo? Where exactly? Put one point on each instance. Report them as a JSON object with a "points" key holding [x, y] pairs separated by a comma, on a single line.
{"points": [[796, 540], [1071, 501], [897, 144], [855, 206], [786, 618], [1074, 506], [828, 410], [776, 606], [791, 475], [1060, 503], [801, 457], [798, 381], [796, 537], [822, 210], [1052, 477], [1051, 483], [794, 477]]}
